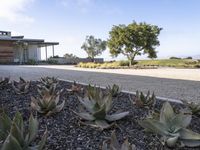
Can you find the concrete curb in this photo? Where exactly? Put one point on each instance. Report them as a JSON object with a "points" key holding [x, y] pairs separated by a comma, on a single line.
{"points": [[129, 92]]}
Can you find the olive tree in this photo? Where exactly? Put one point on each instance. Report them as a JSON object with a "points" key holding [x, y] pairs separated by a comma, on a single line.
{"points": [[134, 39], [93, 47]]}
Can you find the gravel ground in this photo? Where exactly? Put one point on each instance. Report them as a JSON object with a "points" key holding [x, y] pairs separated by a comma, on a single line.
{"points": [[66, 133], [169, 88]]}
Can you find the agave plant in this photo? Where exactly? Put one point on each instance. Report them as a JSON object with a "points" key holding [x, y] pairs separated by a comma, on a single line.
{"points": [[5, 125], [47, 102], [173, 127], [75, 88], [193, 107], [141, 100], [115, 145], [97, 107], [21, 139], [114, 90], [48, 81], [4, 82], [93, 91], [21, 87]]}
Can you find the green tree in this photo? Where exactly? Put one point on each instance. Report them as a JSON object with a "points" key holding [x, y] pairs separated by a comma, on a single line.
{"points": [[93, 47], [134, 39]]}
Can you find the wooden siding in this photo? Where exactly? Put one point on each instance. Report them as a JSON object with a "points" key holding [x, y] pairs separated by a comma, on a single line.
{"points": [[6, 52]]}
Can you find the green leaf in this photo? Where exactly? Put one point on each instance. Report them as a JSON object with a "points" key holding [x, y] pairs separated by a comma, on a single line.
{"points": [[171, 142], [154, 126], [114, 142], [181, 120], [11, 144], [32, 129], [59, 107], [85, 116], [5, 125], [166, 113], [43, 141], [101, 114], [189, 135], [17, 133], [102, 124], [116, 116], [191, 143], [88, 104]]}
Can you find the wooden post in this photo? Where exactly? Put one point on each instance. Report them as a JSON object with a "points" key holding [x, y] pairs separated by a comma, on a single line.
{"points": [[53, 49], [46, 51]]}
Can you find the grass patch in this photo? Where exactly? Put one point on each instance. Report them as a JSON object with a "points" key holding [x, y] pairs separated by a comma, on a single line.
{"points": [[182, 63], [144, 64]]}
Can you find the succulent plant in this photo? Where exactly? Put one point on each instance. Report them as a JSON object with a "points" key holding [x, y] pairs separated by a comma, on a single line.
{"points": [[4, 82], [193, 107], [98, 106], [21, 87], [115, 145], [114, 90], [93, 91], [48, 81], [75, 88], [141, 100], [173, 127], [21, 139], [47, 102], [5, 125]]}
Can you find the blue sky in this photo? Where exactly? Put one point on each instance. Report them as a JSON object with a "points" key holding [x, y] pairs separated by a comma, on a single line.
{"points": [[69, 21]]}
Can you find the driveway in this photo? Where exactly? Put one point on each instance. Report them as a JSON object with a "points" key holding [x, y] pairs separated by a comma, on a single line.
{"points": [[183, 84]]}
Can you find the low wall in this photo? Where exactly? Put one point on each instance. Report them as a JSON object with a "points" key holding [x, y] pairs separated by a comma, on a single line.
{"points": [[63, 60]]}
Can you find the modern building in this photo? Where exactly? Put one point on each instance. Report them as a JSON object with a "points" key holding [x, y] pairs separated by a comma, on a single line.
{"points": [[17, 49]]}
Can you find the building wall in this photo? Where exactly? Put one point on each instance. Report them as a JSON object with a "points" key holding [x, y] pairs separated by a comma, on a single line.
{"points": [[6, 52], [34, 52]]}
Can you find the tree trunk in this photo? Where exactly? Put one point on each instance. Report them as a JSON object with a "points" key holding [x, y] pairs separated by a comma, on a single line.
{"points": [[131, 59]]}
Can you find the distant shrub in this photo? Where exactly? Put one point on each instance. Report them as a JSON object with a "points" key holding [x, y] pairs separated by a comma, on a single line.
{"points": [[31, 62], [51, 61], [197, 66], [174, 58], [188, 58], [69, 56]]}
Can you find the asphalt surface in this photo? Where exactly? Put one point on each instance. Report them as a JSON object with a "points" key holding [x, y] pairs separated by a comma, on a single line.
{"points": [[169, 88]]}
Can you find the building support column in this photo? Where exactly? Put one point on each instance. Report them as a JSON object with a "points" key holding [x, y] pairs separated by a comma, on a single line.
{"points": [[46, 51], [53, 49]]}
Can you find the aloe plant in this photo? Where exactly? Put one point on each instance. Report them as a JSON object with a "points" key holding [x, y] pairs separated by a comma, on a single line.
{"points": [[193, 107], [21, 139], [75, 88], [5, 125], [4, 82], [48, 81], [93, 91], [173, 127], [141, 100], [47, 102], [114, 90], [21, 87], [98, 105], [115, 145]]}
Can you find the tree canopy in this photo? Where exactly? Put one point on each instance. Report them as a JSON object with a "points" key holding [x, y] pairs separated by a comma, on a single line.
{"points": [[134, 39], [93, 47]]}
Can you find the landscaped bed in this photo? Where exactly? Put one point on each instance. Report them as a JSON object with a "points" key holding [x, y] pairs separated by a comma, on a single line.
{"points": [[65, 131]]}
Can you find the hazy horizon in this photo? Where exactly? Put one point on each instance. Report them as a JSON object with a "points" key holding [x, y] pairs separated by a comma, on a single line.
{"points": [[70, 21]]}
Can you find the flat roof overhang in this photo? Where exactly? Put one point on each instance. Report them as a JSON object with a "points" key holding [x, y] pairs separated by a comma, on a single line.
{"points": [[44, 44], [39, 42]]}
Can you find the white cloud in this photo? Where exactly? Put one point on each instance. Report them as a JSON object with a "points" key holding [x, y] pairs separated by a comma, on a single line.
{"points": [[82, 5], [14, 10]]}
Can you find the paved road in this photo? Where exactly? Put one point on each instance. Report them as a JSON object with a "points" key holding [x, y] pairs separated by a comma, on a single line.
{"points": [[170, 88]]}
